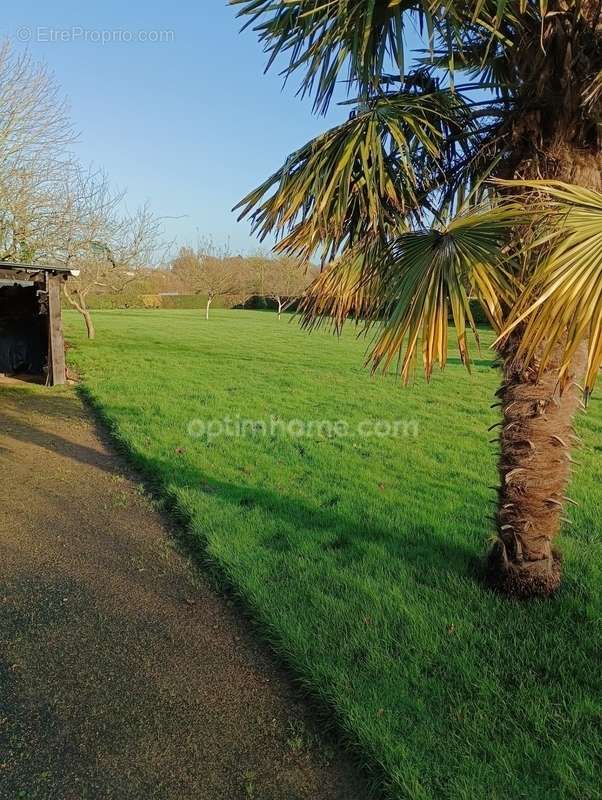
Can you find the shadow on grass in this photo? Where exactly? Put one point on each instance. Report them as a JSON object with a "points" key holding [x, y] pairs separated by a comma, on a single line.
{"points": [[419, 545], [428, 556]]}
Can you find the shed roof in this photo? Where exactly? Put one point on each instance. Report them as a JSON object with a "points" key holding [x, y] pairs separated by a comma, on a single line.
{"points": [[55, 269]]}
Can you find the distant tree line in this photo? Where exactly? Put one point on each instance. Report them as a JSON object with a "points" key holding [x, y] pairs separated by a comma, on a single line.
{"points": [[206, 272], [203, 275]]}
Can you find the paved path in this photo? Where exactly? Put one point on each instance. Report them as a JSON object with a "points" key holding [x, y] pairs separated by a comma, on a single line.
{"points": [[122, 674]]}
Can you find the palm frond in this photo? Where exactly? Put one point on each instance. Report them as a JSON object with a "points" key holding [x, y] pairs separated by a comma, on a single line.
{"points": [[350, 286], [321, 38], [360, 178], [592, 94], [365, 38], [429, 277], [562, 302], [409, 289]]}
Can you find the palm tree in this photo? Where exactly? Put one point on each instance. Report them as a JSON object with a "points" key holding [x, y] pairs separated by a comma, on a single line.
{"points": [[468, 167]]}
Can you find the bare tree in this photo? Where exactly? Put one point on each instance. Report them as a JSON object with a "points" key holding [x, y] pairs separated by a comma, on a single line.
{"points": [[105, 244], [208, 272], [282, 280], [51, 209], [35, 134], [34, 116], [287, 280]]}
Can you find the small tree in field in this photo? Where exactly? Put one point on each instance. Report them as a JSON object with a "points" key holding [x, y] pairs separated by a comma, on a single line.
{"points": [[284, 281], [470, 162], [211, 275]]}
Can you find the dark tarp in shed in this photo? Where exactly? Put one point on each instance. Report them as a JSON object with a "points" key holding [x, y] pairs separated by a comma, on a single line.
{"points": [[23, 336]]}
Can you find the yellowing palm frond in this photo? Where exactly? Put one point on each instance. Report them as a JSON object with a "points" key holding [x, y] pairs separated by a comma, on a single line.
{"points": [[593, 92], [358, 179], [350, 286], [562, 303]]}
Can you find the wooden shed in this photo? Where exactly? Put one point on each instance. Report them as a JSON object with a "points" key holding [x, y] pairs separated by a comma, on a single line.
{"points": [[31, 329]]}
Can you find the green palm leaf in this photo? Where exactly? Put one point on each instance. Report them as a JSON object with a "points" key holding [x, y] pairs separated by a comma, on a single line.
{"points": [[363, 38], [321, 38], [430, 275], [410, 288]]}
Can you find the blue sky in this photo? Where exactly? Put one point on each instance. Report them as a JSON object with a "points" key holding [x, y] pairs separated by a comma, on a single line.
{"points": [[189, 124]]}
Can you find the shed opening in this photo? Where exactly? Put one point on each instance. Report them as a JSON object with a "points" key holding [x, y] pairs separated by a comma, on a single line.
{"points": [[23, 330], [31, 331]]}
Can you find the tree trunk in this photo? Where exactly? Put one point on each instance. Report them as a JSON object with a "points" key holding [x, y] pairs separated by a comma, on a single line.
{"points": [[280, 304], [537, 432], [209, 299], [536, 439], [79, 305], [90, 329]]}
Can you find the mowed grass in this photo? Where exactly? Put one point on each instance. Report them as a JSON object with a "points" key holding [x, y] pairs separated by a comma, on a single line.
{"points": [[360, 555]]}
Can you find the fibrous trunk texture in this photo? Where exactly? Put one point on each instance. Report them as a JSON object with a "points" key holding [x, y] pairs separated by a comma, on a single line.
{"points": [[535, 461], [552, 140]]}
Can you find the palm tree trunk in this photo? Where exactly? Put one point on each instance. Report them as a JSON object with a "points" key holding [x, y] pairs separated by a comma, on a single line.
{"points": [[535, 460], [537, 433]]}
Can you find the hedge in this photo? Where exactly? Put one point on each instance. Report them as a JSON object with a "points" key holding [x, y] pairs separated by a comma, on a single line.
{"points": [[192, 301], [180, 301]]}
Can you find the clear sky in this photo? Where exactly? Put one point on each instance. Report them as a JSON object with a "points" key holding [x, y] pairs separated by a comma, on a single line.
{"points": [[190, 123]]}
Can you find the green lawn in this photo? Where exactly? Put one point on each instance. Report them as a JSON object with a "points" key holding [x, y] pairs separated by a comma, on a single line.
{"points": [[359, 554]]}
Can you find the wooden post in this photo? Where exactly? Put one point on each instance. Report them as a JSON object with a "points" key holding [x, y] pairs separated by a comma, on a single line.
{"points": [[56, 342]]}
